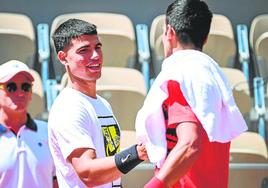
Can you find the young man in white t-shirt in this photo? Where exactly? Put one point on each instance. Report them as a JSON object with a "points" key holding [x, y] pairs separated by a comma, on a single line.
{"points": [[84, 136]]}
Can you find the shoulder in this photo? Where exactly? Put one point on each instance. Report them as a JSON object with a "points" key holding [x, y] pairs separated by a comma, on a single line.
{"points": [[105, 107], [175, 93], [41, 125], [70, 108], [104, 101], [39, 128], [67, 96], [68, 102], [40, 122]]}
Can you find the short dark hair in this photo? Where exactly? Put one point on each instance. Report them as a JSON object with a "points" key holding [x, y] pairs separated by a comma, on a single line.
{"points": [[71, 29], [191, 21]]}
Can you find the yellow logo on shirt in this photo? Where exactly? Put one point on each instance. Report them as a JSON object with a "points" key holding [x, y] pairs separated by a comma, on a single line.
{"points": [[111, 136]]}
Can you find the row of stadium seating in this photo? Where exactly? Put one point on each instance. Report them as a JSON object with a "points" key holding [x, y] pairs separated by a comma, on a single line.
{"points": [[132, 59]]}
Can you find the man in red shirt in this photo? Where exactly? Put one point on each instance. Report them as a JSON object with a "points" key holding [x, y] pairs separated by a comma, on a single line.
{"points": [[206, 162], [200, 116]]}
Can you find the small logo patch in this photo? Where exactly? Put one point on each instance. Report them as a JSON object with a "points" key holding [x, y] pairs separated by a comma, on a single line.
{"points": [[123, 160]]}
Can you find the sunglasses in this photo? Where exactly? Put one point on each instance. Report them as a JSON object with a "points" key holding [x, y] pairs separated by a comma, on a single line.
{"points": [[12, 87]]}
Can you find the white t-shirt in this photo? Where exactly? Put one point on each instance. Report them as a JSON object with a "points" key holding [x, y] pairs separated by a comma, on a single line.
{"points": [[25, 159], [79, 121]]}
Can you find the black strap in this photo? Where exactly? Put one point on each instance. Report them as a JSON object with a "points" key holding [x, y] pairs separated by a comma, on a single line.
{"points": [[127, 159]]}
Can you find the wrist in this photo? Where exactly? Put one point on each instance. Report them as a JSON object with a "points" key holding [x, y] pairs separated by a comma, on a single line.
{"points": [[155, 183], [127, 159]]}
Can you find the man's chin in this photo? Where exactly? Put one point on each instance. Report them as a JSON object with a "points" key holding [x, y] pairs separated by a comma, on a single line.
{"points": [[20, 109]]}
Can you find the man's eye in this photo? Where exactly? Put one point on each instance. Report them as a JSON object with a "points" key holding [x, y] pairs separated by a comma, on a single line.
{"points": [[98, 47], [82, 50]]}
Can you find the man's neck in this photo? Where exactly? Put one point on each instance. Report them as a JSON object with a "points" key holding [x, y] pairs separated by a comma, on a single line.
{"points": [[186, 47], [13, 120], [87, 88]]}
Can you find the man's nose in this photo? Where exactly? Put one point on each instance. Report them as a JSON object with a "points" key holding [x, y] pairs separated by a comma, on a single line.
{"points": [[95, 54]]}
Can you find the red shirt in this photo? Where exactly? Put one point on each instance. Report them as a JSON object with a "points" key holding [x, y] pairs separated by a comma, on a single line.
{"points": [[211, 169]]}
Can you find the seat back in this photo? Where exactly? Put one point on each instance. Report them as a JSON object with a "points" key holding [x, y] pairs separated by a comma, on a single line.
{"points": [[128, 138], [37, 105], [156, 44], [139, 176], [261, 47], [258, 26], [116, 33], [257, 39], [221, 44], [250, 152], [249, 147], [156, 31], [258, 43], [17, 38], [240, 88], [248, 178]]}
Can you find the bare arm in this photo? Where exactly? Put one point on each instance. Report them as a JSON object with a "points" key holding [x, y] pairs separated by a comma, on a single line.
{"points": [[183, 155], [97, 171], [93, 171]]}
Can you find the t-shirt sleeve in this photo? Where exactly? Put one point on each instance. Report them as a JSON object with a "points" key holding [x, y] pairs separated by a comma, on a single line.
{"points": [[72, 130], [179, 110]]}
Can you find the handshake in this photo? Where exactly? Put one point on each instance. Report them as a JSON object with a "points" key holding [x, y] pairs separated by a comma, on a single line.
{"points": [[131, 157]]}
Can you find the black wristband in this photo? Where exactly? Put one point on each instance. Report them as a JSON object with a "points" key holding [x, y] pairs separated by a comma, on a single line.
{"points": [[127, 159]]}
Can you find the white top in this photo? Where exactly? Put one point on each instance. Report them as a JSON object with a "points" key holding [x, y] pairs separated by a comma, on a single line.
{"points": [[206, 90], [25, 159], [79, 121]]}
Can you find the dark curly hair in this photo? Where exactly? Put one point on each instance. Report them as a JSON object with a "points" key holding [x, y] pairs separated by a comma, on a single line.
{"points": [[71, 29], [191, 21]]}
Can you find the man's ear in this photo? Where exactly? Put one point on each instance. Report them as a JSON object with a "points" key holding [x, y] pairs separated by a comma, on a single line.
{"points": [[170, 32], [62, 57]]}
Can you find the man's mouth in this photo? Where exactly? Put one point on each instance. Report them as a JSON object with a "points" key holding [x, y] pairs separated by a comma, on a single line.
{"points": [[94, 66]]}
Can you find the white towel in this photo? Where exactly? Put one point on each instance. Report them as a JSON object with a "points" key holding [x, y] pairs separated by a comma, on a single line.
{"points": [[206, 90]]}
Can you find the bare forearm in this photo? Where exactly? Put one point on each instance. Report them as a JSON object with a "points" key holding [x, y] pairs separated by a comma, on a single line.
{"points": [[183, 155], [177, 163], [97, 171]]}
